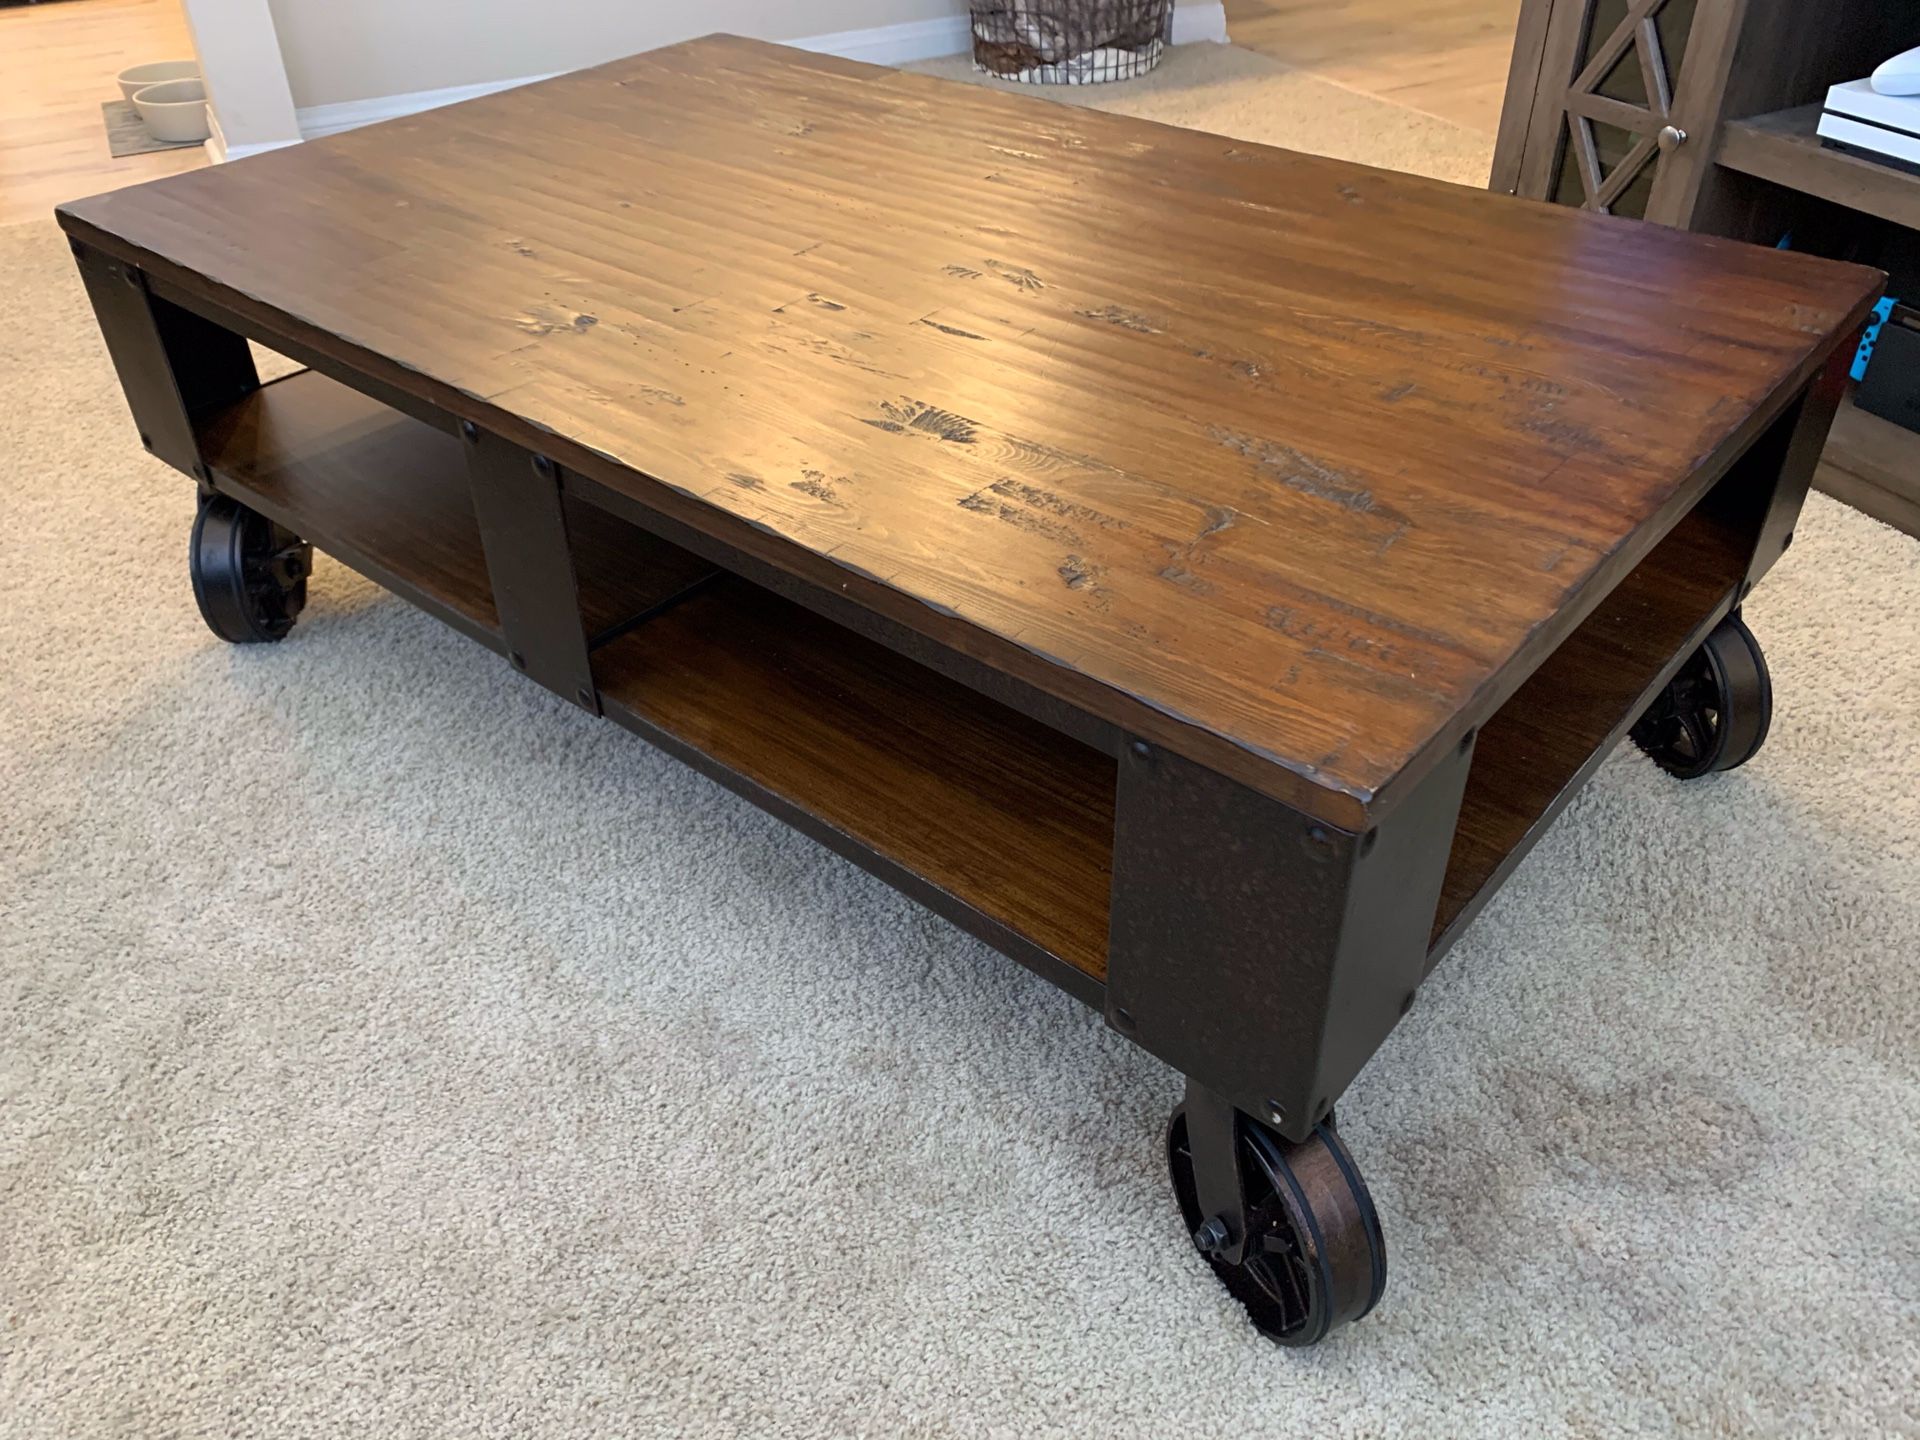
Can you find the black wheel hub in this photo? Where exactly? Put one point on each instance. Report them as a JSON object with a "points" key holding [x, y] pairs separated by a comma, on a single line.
{"points": [[1314, 1256], [1715, 713], [249, 574]]}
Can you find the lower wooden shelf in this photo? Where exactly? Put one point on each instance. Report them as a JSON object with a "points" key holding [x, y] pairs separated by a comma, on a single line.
{"points": [[1006, 816], [383, 493], [387, 495], [1566, 718], [999, 822]]}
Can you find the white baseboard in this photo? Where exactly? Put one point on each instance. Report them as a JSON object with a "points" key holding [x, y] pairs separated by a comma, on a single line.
{"points": [[216, 143], [318, 120], [219, 151], [894, 44], [881, 45], [223, 153]]}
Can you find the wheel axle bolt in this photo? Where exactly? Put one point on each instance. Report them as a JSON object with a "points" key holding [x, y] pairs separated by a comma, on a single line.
{"points": [[1212, 1237]]}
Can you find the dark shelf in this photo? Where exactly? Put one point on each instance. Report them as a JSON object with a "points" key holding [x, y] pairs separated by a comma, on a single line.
{"points": [[388, 496], [385, 494], [1873, 465], [1008, 818], [1870, 463], [1783, 147], [1565, 720]]}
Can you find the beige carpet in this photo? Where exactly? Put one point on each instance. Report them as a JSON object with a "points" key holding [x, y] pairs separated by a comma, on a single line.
{"points": [[1230, 91], [389, 1050]]}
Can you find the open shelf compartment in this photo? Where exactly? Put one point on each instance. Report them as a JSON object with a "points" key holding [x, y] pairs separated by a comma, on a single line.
{"points": [[997, 821], [1784, 147], [1567, 716], [388, 496], [999, 811]]}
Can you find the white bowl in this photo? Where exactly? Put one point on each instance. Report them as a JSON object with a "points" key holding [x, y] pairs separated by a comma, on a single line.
{"points": [[141, 76], [175, 110]]}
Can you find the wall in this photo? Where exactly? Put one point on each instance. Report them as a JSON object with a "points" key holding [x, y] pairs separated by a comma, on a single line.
{"points": [[345, 50], [342, 51], [238, 50], [281, 70]]}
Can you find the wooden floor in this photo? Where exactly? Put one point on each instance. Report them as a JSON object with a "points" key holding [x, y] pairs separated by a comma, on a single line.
{"points": [[57, 63], [1446, 57]]}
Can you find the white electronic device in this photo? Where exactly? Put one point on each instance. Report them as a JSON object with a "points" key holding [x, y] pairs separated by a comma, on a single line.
{"points": [[1900, 75], [1859, 116]]}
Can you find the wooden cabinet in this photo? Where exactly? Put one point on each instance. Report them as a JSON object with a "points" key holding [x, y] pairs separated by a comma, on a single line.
{"points": [[1619, 91], [1622, 105], [1700, 114]]}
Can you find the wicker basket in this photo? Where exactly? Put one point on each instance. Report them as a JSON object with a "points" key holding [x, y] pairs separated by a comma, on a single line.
{"points": [[1069, 42]]}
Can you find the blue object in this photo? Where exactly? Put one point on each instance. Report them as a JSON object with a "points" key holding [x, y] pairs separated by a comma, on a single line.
{"points": [[1871, 334]]}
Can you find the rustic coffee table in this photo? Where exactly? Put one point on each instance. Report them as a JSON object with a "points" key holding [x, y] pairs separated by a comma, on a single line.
{"points": [[1199, 570]]}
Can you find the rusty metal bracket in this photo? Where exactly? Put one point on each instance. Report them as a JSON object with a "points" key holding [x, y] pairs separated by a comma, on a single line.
{"points": [[175, 367], [523, 531], [1263, 954]]}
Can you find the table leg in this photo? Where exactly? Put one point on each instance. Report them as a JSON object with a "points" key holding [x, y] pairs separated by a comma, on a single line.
{"points": [[174, 366], [1263, 953], [1267, 955], [523, 531], [1770, 481], [249, 575]]}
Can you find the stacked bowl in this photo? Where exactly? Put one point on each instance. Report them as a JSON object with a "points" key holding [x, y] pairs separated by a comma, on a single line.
{"points": [[170, 97]]}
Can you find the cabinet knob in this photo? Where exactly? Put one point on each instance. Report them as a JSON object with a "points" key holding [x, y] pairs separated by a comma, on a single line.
{"points": [[1670, 138]]}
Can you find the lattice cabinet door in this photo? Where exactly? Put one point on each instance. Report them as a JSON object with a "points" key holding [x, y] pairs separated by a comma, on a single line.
{"points": [[1627, 98]]}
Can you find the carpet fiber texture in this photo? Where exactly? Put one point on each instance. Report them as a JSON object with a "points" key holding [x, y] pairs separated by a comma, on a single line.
{"points": [[1230, 91], [388, 1049]]}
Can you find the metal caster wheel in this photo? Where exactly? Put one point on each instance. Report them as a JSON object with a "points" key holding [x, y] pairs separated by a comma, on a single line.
{"points": [[1289, 1229], [249, 574], [1714, 714]]}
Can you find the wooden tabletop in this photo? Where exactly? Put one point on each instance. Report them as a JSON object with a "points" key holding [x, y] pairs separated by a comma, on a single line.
{"points": [[1294, 465]]}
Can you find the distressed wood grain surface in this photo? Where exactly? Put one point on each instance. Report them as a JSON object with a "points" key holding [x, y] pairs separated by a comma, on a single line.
{"points": [[1293, 465]]}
